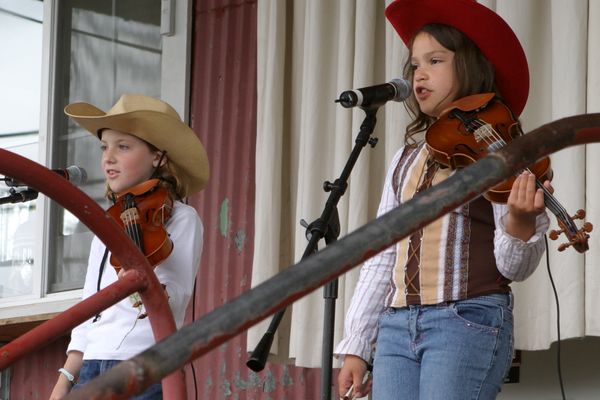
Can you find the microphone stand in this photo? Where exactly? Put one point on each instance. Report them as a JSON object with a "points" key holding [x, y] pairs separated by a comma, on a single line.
{"points": [[19, 197], [326, 226]]}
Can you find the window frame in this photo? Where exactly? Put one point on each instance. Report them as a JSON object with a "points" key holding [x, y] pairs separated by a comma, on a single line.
{"points": [[175, 89]]}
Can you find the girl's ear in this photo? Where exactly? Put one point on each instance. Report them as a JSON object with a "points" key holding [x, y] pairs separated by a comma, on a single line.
{"points": [[159, 157]]}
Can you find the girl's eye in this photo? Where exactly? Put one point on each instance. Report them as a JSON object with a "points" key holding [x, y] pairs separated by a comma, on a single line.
{"points": [[103, 147], [123, 147], [413, 67], [435, 60]]}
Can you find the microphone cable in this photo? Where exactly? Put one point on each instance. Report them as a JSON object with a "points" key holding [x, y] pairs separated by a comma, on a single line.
{"points": [[193, 319], [558, 363], [193, 300]]}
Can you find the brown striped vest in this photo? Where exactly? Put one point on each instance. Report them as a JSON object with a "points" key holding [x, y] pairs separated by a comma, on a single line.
{"points": [[453, 257]]}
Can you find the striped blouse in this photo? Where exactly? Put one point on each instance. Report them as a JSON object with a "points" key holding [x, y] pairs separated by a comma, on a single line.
{"points": [[454, 260]]}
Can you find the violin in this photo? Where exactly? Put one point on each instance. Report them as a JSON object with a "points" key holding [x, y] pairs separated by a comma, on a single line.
{"points": [[142, 212], [474, 126]]}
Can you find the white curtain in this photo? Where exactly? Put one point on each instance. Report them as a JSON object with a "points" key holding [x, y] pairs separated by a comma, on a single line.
{"points": [[309, 51]]}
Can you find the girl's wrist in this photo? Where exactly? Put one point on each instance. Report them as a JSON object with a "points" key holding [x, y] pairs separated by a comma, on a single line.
{"points": [[520, 229], [68, 376]]}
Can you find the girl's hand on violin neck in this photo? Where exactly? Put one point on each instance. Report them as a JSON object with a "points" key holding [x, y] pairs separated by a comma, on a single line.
{"points": [[525, 203]]}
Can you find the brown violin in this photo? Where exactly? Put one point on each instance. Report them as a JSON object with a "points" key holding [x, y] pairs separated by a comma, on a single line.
{"points": [[474, 126], [142, 212]]}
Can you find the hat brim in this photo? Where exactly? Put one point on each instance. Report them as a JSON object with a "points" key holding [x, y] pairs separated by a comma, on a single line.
{"points": [[159, 129], [485, 28]]}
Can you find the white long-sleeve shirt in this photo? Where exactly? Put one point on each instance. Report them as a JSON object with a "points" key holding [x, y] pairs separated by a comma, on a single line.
{"points": [[119, 334], [515, 260]]}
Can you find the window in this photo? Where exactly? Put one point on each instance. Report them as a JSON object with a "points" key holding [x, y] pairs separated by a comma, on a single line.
{"points": [[4, 384], [20, 80], [106, 48], [90, 51]]}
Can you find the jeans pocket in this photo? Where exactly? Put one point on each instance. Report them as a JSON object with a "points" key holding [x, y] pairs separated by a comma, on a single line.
{"points": [[388, 312], [479, 315]]}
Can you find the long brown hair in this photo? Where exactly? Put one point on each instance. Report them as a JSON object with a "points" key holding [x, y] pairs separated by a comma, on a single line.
{"points": [[474, 73]]}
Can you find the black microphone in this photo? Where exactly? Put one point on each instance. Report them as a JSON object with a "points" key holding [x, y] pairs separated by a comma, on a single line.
{"points": [[74, 174], [19, 197], [375, 96]]}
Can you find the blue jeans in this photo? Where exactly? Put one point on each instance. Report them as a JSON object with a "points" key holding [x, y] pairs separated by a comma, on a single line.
{"points": [[451, 351], [92, 368]]}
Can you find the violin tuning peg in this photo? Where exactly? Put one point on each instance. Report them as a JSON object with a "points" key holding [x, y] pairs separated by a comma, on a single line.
{"points": [[587, 227], [580, 214], [554, 234], [564, 246]]}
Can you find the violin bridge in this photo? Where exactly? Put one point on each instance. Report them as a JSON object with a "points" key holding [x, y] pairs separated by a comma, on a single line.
{"points": [[484, 133]]}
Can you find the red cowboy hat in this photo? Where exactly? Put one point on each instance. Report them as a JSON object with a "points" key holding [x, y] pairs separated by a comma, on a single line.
{"points": [[487, 29]]}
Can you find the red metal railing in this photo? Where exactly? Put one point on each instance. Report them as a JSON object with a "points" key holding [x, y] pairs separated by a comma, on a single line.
{"points": [[139, 276]]}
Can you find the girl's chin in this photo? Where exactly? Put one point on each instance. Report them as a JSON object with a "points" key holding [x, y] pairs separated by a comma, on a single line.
{"points": [[426, 108], [430, 112], [116, 188]]}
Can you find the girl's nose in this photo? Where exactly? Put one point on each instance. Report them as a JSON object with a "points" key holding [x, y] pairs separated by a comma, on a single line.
{"points": [[420, 74], [107, 156]]}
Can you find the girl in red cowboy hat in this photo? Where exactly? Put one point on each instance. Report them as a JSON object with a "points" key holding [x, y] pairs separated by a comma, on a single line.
{"points": [[436, 309], [141, 138]]}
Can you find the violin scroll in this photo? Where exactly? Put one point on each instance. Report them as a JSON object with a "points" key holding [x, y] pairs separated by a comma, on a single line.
{"points": [[578, 238]]}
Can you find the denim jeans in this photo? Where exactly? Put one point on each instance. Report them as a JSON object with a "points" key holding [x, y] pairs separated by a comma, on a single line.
{"points": [[452, 351], [92, 368]]}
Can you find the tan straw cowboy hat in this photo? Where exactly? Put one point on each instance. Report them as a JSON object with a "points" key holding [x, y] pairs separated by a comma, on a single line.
{"points": [[157, 123]]}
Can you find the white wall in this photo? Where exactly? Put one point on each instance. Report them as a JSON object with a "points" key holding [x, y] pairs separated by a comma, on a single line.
{"points": [[539, 376]]}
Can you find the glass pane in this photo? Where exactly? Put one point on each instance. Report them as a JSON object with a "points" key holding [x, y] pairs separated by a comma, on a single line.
{"points": [[20, 78], [5, 384], [104, 49]]}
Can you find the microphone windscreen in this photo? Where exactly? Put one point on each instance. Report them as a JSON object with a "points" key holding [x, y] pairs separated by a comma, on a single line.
{"points": [[76, 175]]}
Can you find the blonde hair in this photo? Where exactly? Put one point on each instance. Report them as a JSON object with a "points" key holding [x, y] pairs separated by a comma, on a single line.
{"points": [[168, 174]]}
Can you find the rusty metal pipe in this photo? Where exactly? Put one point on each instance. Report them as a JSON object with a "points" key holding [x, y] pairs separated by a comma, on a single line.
{"points": [[54, 328], [108, 231], [234, 317]]}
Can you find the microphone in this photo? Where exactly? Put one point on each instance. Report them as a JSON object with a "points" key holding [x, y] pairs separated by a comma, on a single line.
{"points": [[74, 174], [19, 197], [375, 96]]}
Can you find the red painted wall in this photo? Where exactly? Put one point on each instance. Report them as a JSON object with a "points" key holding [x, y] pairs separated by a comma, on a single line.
{"points": [[223, 113]]}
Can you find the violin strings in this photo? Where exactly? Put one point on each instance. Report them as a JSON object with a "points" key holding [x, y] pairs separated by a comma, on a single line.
{"points": [[131, 223], [129, 227], [553, 203]]}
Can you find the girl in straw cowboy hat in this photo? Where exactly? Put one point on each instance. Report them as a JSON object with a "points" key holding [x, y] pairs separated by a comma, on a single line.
{"points": [[141, 138], [436, 309]]}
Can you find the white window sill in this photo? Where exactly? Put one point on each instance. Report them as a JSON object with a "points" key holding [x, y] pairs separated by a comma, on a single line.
{"points": [[20, 310]]}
